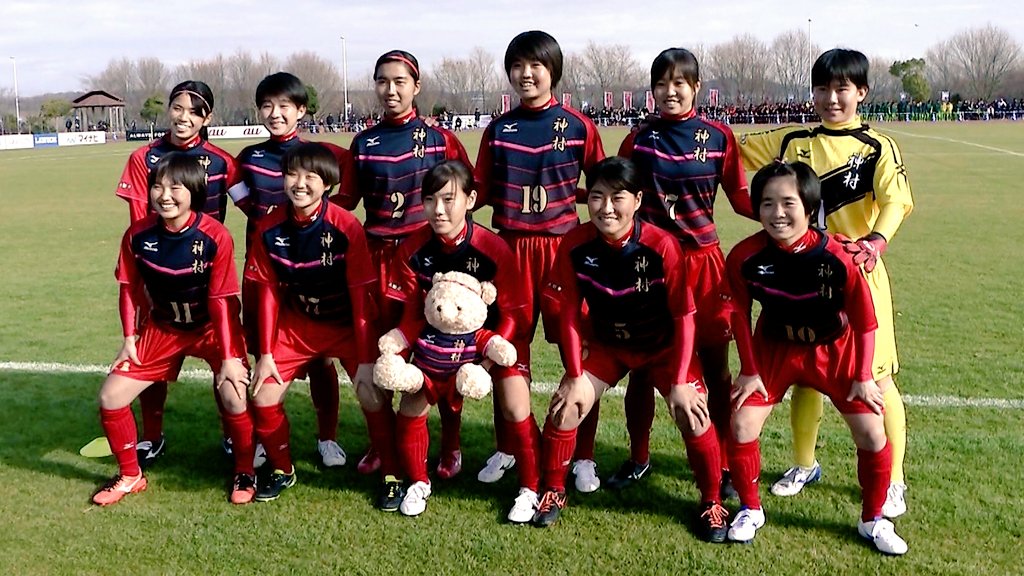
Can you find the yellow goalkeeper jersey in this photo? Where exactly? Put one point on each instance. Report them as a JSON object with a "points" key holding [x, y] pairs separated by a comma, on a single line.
{"points": [[864, 186]]}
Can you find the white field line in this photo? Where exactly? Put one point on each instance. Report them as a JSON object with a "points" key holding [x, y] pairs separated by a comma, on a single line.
{"points": [[203, 375], [955, 141]]}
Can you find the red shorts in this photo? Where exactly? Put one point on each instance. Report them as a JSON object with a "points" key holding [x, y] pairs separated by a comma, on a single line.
{"points": [[520, 368], [828, 368], [535, 255], [705, 272], [437, 389], [301, 339], [657, 369], [162, 350], [383, 251]]}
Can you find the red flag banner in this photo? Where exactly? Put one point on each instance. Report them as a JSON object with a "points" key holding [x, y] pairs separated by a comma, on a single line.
{"points": [[566, 99], [609, 99], [713, 97], [506, 103], [627, 100], [649, 101]]}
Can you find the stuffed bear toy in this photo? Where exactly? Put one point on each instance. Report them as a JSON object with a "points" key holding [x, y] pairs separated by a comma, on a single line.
{"points": [[449, 345]]}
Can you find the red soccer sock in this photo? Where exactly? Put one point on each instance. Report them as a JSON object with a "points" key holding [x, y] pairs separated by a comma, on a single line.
{"points": [[381, 427], [745, 463], [526, 449], [639, 404], [151, 403], [702, 452], [413, 442], [502, 435], [323, 390], [274, 432], [586, 434], [558, 448], [873, 471], [451, 427], [721, 416], [119, 427], [243, 445]]}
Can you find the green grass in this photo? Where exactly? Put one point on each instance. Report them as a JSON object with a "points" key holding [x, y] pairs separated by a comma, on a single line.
{"points": [[957, 280]]}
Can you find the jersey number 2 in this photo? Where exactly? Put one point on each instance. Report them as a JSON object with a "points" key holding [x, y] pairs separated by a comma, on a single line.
{"points": [[398, 199]]}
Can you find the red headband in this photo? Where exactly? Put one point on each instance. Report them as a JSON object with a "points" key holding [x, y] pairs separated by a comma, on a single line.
{"points": [[406, 61]]}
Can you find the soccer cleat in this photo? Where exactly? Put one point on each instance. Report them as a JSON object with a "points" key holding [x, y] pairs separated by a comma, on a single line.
{"points": [[331, 453], [549, 508], [895, 501], [496, 466], [586, 476], [390, 496], [450, 465], [260, 456], [243, 489], [369, 463], [148, 451], [726, 489], [524, 508], [275, 484], [117, 488], [882, 534], [415, 501], [744, 526], [794, 480], [712, 522], [629, 473]]}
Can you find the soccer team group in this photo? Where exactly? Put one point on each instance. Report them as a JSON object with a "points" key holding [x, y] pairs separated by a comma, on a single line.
{"points": [[642, 289]]}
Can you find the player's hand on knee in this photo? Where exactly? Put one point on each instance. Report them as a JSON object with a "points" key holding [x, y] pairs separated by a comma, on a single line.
{"points": [[744, 387], [266, 369], [868, 392], [129, 352], [570, 401], [234, 373], [690, 404]]}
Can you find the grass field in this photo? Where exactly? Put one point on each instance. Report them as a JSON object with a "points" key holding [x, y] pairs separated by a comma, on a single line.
{"points": [[957, 277]]}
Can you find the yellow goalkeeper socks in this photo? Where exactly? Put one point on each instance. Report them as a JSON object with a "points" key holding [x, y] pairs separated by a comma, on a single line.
{"points": [[805, 417], [896, 430]]}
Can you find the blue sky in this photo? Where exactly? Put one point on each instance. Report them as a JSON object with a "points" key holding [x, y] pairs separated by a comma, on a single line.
{"points": [[56, 43]]}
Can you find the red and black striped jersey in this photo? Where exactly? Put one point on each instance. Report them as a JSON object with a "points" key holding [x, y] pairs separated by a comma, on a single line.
{"points": [[681, 164], [529, 168]]}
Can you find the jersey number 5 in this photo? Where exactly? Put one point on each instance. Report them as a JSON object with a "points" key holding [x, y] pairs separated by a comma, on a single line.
{"points": [[398, 199], [535, 199]]}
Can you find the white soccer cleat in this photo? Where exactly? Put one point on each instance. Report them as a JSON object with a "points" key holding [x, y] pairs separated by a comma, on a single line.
{"points": [[794, 480], [882, 534], [895, 501], [331, 453], [525, 506], [415, 501], [496, 466], [744, 526], [586, 476]]}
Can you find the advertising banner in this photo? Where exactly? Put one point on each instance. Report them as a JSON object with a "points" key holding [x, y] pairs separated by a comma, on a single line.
{"points": [[48, 140], [81, 138], [226, 132]]}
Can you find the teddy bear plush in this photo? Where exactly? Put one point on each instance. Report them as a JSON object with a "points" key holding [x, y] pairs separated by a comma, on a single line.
{"points": [[449, 346]]}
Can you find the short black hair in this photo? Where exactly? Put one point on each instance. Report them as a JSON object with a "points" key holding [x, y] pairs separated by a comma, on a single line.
{"points": [[444, 172], [676, 61], [180, 168], [616, 173], [313, 157], [840, 64], [808, 185], [401, 56], [539, 46], [282, 84]]}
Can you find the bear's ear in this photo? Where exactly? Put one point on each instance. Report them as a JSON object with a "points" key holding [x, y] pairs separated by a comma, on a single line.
{"points": [[488, 293], [437, 277]]}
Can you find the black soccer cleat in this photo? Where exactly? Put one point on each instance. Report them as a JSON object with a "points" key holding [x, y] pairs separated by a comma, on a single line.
{"points": [[550, 508], [149, 451], [275, 484], [712, 522], [391, 494], [628, 474]]}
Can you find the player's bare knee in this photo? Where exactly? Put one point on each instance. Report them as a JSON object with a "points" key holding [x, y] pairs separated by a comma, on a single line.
{"points": [[745, 427]]}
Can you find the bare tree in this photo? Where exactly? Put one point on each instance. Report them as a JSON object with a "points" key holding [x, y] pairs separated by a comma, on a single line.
{"points": [[362, 97], [943, 69], [884, 86], [612, 67], [320, 73], [986, 56], [574, 79], [152, 77], [453, 82], [213, 72], [790, 64], [484, 76], [742, 64]]}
